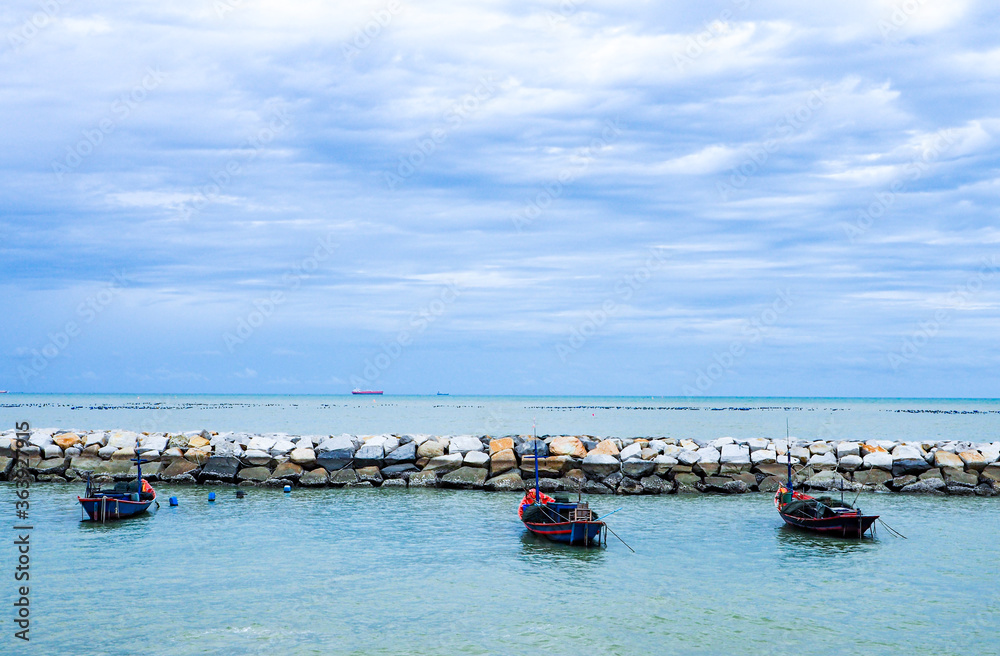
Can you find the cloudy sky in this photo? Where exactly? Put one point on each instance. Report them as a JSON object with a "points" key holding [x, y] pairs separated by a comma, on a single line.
{"points": [[581, 197]]}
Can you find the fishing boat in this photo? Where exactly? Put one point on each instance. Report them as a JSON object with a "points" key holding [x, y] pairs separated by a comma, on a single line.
{"points": [[125, 499], [559, 519], [361, 391], [822, 515]]}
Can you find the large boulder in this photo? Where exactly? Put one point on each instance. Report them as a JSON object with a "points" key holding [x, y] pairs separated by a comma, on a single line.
{"points": [[256, 474], [220, 468], [337, 443], [827, 480], [424, 478], [549, 467], [465, 443], [849, 463], [369, 474], [905, 466], [633, 450], [763, 457], [501, 444], [287, 470], [399, 471], [507, 482], [606, 447], [567, 446], [848, 449], [926, 486], [67, 440], [370, 455], [430, 449], [444, 464], [636, 468], [502, 461], [947, 459], [315, 477], [600, 464], [527, 448], [973, 460], [758, 444], [907, 452], [256, 458], [735, 459], [656, 485], [664, 464], [877, 459], [303, 457], [825, 460], [476, 459], [465, 478], [402, 454], [178, 467]]}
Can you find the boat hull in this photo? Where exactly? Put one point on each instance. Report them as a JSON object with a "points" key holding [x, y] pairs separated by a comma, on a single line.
{"points": [[573, 533], [105, 508], [846, 522]]}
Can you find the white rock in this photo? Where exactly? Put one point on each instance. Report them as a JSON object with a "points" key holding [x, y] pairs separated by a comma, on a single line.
{"points": [[672, 450], [227, 449], [735, 454], [98, 437], [708, 454], [888, 445], [41, 437], [758, 444], [784, 458], [657, 445], [420, 438], [720, 442], [850, 462], [799, 453], [302, 456], [819, 448], [907, 452], [391, 444], [106, 451], [665, 460], [448, 462], [304, 442], [879, 459], [763, 457], [688, 457], [256, 457], [260, 443], [52, 451], [476, 459], [848, 449], [281, 447], [990, 451], [823, 460], [687, 445], [633, 450], [337, 443], [464, 444], [157, 442], [376, 440]]}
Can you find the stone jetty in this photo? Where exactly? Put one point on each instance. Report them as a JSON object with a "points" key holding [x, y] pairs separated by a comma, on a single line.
{"points": [[566, 462]]}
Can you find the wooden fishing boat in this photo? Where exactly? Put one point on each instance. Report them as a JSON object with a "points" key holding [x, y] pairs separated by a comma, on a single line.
{"points": [[561, 520], [822, 515], [125, 499]]}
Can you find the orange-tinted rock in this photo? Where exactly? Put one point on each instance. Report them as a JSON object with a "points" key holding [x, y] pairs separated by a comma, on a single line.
{"points": [[197, 456], [197, 442], [66, 440], [502, 444], [567, 445], [606, 447], [502, 461]]}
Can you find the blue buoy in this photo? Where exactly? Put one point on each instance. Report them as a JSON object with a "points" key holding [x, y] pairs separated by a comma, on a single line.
{"points": [[288, 488], [173, 501], [211, 496]]}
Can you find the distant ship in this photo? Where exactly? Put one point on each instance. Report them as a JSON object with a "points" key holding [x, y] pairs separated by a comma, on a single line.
{"points": [[361, 391], [443, 394], [3, 391]]}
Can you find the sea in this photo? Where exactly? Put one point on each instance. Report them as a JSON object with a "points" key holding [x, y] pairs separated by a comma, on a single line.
{"points": [[440, 572]]}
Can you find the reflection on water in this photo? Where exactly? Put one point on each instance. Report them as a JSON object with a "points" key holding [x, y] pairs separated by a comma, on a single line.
{"points": [[795, 544], [539, 549]]}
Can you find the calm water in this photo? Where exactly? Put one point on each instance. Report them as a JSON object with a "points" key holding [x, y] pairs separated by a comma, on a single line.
{"points": [[437, 572], [897, 419]]}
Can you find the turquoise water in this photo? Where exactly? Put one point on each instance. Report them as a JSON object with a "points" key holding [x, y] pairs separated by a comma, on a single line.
{"points": [[439, 572], [832, 419]]}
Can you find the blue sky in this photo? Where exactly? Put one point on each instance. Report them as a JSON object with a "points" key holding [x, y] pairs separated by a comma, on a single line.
{"points": [[727, 198]]}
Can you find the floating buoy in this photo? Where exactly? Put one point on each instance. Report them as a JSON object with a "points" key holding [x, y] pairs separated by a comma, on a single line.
{"points": [[211, 496], [240, 494], [288, 488], [173, 501]]}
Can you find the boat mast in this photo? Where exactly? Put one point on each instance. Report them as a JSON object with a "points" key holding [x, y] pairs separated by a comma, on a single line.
{"points": [[788, 458], [534, 441]]}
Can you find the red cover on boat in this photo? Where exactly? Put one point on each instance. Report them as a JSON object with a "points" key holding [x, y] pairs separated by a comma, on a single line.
{"points": [[529, 499]]}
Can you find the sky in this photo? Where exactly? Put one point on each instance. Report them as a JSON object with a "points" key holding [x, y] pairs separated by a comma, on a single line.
{"points": [[580, 197]]}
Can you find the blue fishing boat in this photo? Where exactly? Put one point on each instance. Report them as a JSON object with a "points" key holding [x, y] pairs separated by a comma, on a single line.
{"points": [[125, 499], [559, 519]]}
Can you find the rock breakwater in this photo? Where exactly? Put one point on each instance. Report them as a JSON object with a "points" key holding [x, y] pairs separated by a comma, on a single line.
{"points": [[565, 462]]}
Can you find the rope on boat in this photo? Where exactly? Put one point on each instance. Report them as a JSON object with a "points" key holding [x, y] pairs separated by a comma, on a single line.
{"points": [[892, 530], [619, 537]]}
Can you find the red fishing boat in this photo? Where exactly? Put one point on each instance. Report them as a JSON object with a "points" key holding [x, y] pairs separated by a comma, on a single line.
{"points": [[822, 515], [125, 499]]}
